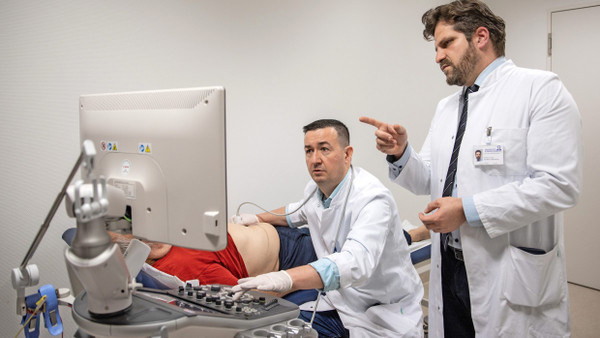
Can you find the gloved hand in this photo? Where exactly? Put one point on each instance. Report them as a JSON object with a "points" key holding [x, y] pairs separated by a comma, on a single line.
{"points": [[279, 281], [245, 219]]}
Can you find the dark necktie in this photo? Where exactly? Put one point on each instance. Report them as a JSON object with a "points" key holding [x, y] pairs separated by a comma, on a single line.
{"points": [[462, 124], [451, 175]]}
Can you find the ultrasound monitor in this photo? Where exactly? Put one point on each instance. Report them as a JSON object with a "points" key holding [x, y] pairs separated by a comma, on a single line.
{"points": [[165, 149]]}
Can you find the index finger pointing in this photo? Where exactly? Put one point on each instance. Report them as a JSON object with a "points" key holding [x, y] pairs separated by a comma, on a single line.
{"points": [[369, 120]]}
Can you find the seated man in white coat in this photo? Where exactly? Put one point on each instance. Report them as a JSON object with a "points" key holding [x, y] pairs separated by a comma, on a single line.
{"points": [[370, 287]]}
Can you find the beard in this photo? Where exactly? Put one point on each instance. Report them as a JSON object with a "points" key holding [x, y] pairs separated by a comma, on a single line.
{"points": [[461, 71]]}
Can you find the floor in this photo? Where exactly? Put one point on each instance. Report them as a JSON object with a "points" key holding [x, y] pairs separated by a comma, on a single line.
{"points": [[585, 311], [585, 308]]}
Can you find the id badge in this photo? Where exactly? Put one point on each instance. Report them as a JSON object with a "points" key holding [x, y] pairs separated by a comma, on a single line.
{"points": [[488, 154]]}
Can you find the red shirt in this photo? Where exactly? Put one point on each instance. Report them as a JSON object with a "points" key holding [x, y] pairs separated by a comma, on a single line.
{"points": [[220, 267]]}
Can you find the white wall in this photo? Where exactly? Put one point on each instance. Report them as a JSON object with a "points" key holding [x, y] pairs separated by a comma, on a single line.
{"points": [[527, 27], [284, 64]]}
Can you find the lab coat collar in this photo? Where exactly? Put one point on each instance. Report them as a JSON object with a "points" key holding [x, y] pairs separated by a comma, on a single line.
{"points": [[489, 69], [327, 202]]}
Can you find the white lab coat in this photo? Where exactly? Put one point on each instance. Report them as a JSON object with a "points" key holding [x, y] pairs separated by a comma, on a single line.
{"points": [[380, 290], [513, 293]]}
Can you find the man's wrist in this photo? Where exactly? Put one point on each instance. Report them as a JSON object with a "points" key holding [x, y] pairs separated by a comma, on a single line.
{"points": [[395, 157], [470, 211], [399, 156]]}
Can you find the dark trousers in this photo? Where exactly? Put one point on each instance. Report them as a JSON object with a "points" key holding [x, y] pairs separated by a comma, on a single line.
{"points": [[455, 291]]}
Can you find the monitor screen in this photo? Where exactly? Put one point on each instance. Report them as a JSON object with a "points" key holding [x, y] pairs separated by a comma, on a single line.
{"points": [[165, 150]]}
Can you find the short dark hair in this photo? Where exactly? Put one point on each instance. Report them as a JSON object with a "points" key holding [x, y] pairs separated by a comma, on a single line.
{"points": [[340, 128], [466, 16]]}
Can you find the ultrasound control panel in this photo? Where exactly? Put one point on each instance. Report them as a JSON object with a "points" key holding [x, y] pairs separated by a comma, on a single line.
{"points": [[217, 301], [209, 309]]}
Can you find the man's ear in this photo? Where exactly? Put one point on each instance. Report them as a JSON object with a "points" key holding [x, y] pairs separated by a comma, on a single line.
{"points": [[348, 151], [481, 37]]}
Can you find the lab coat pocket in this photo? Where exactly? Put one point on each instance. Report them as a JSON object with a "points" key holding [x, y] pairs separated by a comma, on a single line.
{"points": [[389, 323], [514, 145], [534, 280]]}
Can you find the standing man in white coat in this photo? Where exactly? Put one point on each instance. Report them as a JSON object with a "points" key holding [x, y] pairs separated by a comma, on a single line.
{"points": [[370, 285], [499, 267]]}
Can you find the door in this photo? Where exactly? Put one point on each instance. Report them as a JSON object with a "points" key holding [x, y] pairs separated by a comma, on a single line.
{"points": [[575, 47]]}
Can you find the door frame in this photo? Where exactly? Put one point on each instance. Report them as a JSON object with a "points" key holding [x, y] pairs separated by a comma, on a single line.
{"points": [[565, 8], [549, 55]]}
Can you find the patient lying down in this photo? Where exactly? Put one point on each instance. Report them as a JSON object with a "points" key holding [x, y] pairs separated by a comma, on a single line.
{"points": [[250, 251]]}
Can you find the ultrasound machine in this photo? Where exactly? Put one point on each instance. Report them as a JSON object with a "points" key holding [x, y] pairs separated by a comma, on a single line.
{"points": [[160, 157]]}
